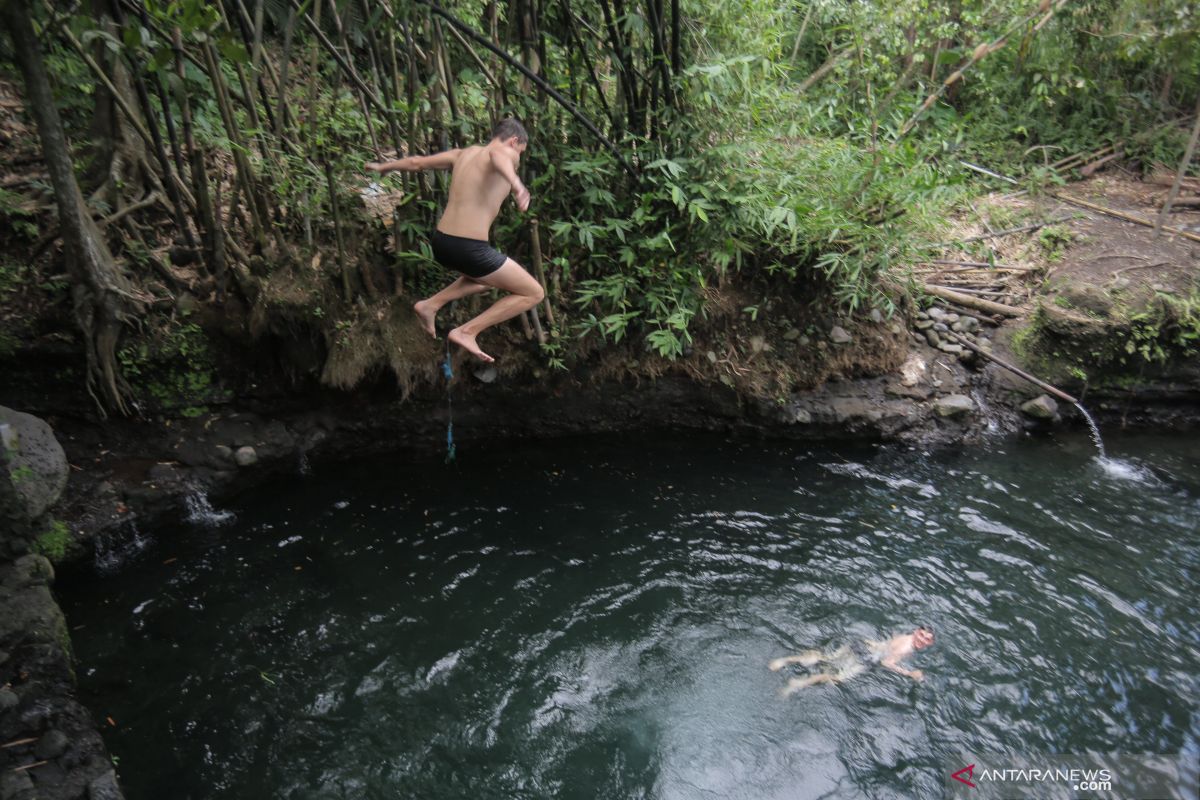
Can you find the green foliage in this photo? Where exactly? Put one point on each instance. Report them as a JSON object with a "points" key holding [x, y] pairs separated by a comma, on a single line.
{"points": [[53, 542], [1054, 241], [173, 371]]}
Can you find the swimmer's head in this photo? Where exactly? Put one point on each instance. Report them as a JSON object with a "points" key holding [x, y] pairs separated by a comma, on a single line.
{"points": [[922, 638]]}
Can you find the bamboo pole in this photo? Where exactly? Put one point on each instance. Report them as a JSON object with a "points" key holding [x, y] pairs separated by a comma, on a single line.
{"points": [[536, 242], [1183, 166], [1059, 393], [976, 303]]}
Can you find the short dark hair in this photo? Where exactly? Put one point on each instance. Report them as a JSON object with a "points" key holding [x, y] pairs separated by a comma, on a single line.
{"points": [[508, 128]]}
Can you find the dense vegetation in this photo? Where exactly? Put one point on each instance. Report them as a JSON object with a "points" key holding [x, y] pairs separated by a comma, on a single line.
{"points": [[678, 148]]}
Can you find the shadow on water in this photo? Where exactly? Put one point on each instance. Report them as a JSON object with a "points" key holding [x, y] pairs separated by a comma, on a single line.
{"points": [[594, 619]]}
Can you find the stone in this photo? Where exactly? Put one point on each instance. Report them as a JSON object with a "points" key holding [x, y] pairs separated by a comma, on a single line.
{"points": [[953, 405], [951, 318], [1087, 298], [801, 416], [3, 656], [924, 324], [757, 344], [711, 356], [792, 335], [970, 324], [803, 341], [950, 347], [8, 699], [922, 315], [932, 337], [896, 328], [941, 327], [38, 466], [105, 787], [913, 370], [17, 786], [967, 356], [225, 452], [936, 313], [487, 374], [245, 456], [1041, 407], [52, 745], [876, 316], [957, 327], [839, 335]]}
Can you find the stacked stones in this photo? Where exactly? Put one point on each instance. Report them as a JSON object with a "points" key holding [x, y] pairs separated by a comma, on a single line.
{"points": [[932, 328]]}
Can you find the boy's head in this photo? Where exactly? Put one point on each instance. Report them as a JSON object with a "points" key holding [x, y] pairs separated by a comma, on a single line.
{"points": [[507, 130], [922, 637]]}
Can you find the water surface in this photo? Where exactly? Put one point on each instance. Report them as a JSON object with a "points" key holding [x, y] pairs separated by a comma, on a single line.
{"points": [[594, 618]]}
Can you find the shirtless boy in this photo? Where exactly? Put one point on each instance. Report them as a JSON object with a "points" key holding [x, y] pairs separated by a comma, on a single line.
{"points": [[843, 663], [481, 177]]}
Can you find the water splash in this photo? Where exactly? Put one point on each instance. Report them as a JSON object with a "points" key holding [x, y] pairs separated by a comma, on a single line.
{"points": [[201, 512], [115, 546], [1095, 431], [303, 467]]}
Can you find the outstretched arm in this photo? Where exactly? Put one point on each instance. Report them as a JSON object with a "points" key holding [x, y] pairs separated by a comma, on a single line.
{"points": [[505, 161], [443, 160], [895, 666]]}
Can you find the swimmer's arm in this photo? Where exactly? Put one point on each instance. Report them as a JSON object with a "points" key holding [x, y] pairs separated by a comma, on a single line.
{"points": [[443, 160], [505, 164], [895, 666]]}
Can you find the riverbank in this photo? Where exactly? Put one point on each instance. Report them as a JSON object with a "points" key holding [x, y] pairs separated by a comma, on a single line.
{"points": [[791, 373]]}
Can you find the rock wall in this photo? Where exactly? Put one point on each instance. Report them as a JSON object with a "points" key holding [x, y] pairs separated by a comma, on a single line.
{"points": [[51, 747]]}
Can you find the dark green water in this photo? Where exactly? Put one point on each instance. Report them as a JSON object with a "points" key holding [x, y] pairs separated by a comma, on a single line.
{"points": [[594, 619]]}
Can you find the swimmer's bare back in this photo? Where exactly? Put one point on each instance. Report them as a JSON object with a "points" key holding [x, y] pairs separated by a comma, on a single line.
{"points": [[480, 180]]}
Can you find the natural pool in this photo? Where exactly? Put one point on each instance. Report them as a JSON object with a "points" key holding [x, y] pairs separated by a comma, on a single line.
{"points": [[594, 618]]}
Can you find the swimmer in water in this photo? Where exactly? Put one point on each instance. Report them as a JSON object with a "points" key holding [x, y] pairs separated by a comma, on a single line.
{"points": [[843, 664]]}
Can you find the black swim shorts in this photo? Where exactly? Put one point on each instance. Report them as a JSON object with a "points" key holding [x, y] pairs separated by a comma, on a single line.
{"points": [[472, 257]]}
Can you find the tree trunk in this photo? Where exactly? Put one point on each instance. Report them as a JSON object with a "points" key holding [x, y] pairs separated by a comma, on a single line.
{"points": [[102, 295]]}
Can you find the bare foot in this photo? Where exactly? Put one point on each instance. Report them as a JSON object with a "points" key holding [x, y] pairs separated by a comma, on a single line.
{"points": [[426, 315], [467, 342]]}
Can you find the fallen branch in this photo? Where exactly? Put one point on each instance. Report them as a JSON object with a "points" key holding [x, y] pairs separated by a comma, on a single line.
{"points": [[1112, 212], [986, 306]]}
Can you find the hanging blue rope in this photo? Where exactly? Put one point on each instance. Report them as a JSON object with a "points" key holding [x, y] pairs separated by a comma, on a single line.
{"points": [[448, 372]]}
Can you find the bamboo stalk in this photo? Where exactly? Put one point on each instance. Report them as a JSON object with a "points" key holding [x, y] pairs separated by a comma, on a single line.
{"points": [[1059, 393], [211, 234], [347, 289], [1183, 166], [342, 63], [976, 303], [17, 742], [978, 54], [824, 69], [535, 239], [537, 80]]}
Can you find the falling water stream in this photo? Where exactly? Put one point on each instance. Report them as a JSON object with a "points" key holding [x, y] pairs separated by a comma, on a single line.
{"points": [[594, 619]]}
